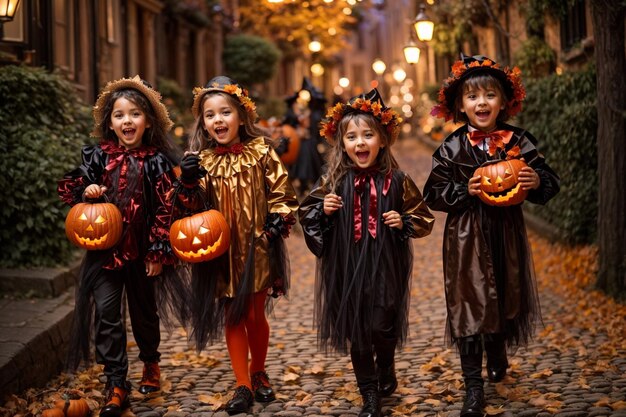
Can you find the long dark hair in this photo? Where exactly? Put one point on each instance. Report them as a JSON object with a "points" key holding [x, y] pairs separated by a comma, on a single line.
{"points": [[152, 136]]}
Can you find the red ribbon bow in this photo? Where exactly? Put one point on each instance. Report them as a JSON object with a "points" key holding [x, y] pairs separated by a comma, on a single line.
{"points": [[235, 149], [497, 139], [360, 180]]}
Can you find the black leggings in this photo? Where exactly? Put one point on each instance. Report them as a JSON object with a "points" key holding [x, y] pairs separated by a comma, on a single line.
{"points": [[384, 341]]}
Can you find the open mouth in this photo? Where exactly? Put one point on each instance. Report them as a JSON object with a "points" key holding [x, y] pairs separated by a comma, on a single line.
{"points": [[221, 131], [129, 133], [362, 155]]}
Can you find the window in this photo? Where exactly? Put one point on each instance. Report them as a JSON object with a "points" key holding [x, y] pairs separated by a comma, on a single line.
{"points": [[573, 26]]}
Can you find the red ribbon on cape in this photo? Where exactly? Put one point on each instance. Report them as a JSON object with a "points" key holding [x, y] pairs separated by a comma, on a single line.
{"points": [[360, 180]]}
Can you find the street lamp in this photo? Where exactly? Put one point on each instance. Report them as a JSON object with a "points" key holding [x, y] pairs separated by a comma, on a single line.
{"points": [[7, 12], [411, 52], [314, 46], [423, 25], [379, 66], [399, 74]]}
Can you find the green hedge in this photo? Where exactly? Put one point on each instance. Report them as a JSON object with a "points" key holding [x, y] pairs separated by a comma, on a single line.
{"points": [[560, 111], [42, 128]]}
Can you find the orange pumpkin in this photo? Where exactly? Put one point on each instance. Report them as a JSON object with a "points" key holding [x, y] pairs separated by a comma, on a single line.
{"points": [[52, 412], [73, 407], [200, 237], [291, 156], [499, 183], [94, 226]]}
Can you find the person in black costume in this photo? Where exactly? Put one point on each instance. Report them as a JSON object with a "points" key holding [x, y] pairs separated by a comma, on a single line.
{"points": [[490, 287], [133, 167], [304, 113], [358, 220]]}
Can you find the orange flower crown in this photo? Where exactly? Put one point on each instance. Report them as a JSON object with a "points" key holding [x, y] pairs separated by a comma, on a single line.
{"points": [[370, 103], [511, 80], [228, 86]]}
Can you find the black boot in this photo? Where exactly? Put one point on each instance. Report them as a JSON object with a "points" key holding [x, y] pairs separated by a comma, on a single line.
{"points": [[474, 403], [387, 381], [497, 361], [371, 404], [262, 388], [241, 401]]}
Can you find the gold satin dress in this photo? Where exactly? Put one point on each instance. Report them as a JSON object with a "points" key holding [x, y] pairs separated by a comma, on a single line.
{"points": [[245, 188]]}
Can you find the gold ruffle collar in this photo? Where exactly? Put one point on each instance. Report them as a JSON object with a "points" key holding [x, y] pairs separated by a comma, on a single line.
{"points": [[229, 164]]}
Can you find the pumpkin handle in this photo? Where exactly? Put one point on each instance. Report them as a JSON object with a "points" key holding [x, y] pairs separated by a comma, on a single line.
{"points": [[103, 198]]}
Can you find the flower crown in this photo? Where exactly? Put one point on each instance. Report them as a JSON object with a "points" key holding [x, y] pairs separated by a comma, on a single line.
{"points": [[374, 106], [241, 94], [510, 79]]}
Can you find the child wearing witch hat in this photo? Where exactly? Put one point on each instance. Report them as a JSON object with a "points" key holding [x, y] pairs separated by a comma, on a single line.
{"points": [[490, 288], [358, 220]]}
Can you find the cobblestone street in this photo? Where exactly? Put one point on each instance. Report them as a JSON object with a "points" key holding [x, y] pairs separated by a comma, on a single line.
{"points": [[544, 379]]}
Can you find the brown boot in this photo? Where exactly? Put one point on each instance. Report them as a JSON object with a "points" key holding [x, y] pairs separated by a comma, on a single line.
{"points": [[151, 379], [116, 402]]}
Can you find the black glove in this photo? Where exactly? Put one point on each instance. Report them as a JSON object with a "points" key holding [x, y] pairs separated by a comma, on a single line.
{"points": [[190, 169]]}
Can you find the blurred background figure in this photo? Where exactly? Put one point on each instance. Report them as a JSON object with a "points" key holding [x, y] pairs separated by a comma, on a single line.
{"points": [[305, 109]]}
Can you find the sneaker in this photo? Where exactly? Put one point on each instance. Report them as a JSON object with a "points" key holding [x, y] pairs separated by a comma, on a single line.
{"points": [[241, 401], [151, 379], [262, 388], [116, 401]]}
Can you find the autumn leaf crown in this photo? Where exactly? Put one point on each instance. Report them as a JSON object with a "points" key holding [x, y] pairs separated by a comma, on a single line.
{"points": [[468, 66], [370, 103], [228, 86]]}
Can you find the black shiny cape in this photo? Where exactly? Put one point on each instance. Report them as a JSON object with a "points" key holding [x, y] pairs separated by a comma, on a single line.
{"points": [[488, 269], [353, 278], [147, 175]]}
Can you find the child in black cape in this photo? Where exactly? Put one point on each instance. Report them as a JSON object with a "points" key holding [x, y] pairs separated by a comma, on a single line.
{"points": [[490, 287], [358, 220]]}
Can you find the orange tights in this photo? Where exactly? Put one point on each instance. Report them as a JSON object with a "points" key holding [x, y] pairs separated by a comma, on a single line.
{"points": [[250, 334]]}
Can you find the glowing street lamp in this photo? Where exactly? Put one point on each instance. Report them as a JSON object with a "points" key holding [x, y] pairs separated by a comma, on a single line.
{"points": [[315, 45], [411, 52], [423, 25], [379, 66], [344, 82], [7, 12], [317, 69], [399, 74]]}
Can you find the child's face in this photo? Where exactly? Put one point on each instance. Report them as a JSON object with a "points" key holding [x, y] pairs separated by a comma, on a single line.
{"points": [[482, 107], [128, 122], [362, 143], [221, 120]]}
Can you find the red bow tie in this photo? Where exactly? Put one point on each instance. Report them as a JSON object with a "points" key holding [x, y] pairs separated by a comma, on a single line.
{"points": [[497, 139], [235, 149]]}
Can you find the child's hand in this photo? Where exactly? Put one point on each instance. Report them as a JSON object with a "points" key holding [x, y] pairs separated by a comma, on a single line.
{"points": [[190, 167], [529, 179], [473, 185], [153, 268], [94, 191], [332, 203], [393, 219]]}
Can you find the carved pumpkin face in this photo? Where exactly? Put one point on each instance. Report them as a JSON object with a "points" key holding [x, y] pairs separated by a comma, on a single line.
{"points": [[499, 183], [94, 226], [201, 237]]}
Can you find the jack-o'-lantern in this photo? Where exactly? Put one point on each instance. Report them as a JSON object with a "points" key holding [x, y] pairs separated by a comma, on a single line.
{"points": [[200, 237], [94, 226], [291, 155], [499, 183]]}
